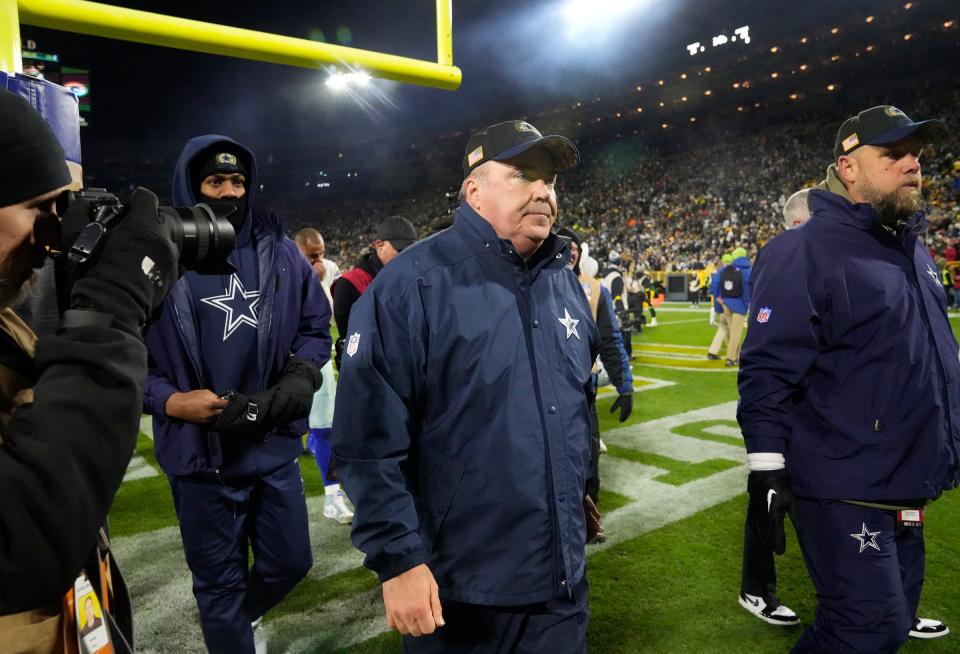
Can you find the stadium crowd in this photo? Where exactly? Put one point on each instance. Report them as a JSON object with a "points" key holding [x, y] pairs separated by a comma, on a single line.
{"points": [[675, 210]]}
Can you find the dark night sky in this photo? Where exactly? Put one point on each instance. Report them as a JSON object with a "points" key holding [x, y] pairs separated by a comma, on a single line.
{"points": [[515, 57]]}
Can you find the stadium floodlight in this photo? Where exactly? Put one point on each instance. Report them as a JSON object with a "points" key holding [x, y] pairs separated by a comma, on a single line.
{"points": [[583, 15], [338, 81]]}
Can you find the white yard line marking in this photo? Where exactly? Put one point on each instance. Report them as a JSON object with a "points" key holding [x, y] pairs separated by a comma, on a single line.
{"points": [[652, 384], [139, 469], [667, 323], [654, 365]]}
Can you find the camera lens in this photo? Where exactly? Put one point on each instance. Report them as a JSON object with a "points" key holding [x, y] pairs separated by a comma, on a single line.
{"points": [[203, 237]]}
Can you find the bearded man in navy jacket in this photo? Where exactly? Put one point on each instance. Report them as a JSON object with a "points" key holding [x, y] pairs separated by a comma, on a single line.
{"points": [[850, 387], [461, 430], [234, 362]]}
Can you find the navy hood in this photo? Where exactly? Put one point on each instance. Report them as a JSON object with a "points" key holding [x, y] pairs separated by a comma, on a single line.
{"points": [[183, 193]]}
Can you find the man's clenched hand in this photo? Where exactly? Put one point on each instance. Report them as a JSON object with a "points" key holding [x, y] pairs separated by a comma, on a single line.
{"points": [[412, 602]]}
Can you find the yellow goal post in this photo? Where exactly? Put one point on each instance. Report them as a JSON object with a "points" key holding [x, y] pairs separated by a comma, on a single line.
{"points": [[98, 19]]}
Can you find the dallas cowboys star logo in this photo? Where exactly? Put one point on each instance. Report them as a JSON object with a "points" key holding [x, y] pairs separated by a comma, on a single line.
{"points": [[235, 303], [933, 273], [867, 538], [570, 324]]}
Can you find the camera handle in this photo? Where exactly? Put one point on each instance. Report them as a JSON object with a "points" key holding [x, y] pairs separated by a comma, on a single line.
{"points": [[82, 250]]}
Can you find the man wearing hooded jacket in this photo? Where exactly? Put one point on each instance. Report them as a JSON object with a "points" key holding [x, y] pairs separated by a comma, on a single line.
{"points": [[850, 424], [234, 363]]}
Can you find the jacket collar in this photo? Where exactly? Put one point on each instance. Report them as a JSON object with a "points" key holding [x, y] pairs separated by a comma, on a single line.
{"points": [[860, 214], [480, 238], [833, 184]]}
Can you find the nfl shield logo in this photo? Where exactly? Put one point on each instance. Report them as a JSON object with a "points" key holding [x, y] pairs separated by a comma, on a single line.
{"points": [[764, 314], [353, 344]]}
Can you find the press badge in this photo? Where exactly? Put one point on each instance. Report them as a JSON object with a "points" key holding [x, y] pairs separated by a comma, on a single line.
{"points": [[910, 517], [92, 630]]}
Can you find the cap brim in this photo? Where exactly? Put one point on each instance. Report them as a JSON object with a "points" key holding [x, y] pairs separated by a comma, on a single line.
{"points": [[399, 245], [564, 153], [930, 131]]}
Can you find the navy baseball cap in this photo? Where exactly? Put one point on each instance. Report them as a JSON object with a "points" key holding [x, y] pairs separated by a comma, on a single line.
{"points": [[882, 125], [513, 138]]}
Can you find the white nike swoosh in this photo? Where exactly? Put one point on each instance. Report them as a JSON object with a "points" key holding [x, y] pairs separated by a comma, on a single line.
{"points": [[770, 494]]}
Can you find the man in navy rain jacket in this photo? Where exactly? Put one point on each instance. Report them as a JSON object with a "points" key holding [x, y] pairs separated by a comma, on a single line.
{"points": [[461, 429], [234, 363], [850, 387]]}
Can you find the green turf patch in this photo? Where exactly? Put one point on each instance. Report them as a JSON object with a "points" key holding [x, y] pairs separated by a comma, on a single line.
{"points": [[672, 590], [678, 472], [312, 479], [642, 588], [699, 430], [610, 501], [310, 594], [143, 504], [388, 643]]}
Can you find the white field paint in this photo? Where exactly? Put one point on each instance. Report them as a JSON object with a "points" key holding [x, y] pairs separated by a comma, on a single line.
{"points": [[166, 614], [139, 469], [646, 384]]}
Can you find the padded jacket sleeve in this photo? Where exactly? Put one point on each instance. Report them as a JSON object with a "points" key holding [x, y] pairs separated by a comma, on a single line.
{"points": [[779, 351], [377, 412], [612, 352], [63, 458]]}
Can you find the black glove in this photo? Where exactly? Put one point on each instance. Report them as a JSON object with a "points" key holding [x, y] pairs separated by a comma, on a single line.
{"points": [[240, 415], [287, 400], [770, 499], [338, 352], [624, 402], [134, 269]]}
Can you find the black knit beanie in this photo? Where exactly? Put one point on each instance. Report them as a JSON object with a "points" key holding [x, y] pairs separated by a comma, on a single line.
{"points": [[569, 234], [31, 159], [219, 158]]}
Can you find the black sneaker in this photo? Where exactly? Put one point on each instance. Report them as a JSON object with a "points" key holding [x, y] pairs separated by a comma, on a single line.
{"points": [[926, 628], [730, 363], [712, 356], [772, 612]]}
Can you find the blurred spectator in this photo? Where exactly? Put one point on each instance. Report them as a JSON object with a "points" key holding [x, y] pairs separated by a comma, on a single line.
{"points": [[393, 235]]}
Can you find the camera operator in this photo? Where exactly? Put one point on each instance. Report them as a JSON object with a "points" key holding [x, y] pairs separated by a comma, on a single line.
{"points": [[69, 403]]}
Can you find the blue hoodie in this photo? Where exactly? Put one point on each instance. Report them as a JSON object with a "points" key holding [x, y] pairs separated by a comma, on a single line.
{"points": [[740, 304], [293, 318]]}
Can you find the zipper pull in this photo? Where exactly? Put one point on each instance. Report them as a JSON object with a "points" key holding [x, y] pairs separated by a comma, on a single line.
{"points": [[876, 425]]}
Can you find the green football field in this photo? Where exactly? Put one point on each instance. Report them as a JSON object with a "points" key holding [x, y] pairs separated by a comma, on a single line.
{"points": [[666, 581]]}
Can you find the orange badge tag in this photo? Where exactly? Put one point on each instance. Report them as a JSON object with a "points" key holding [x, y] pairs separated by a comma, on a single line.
{"points": [[92, 630]]}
